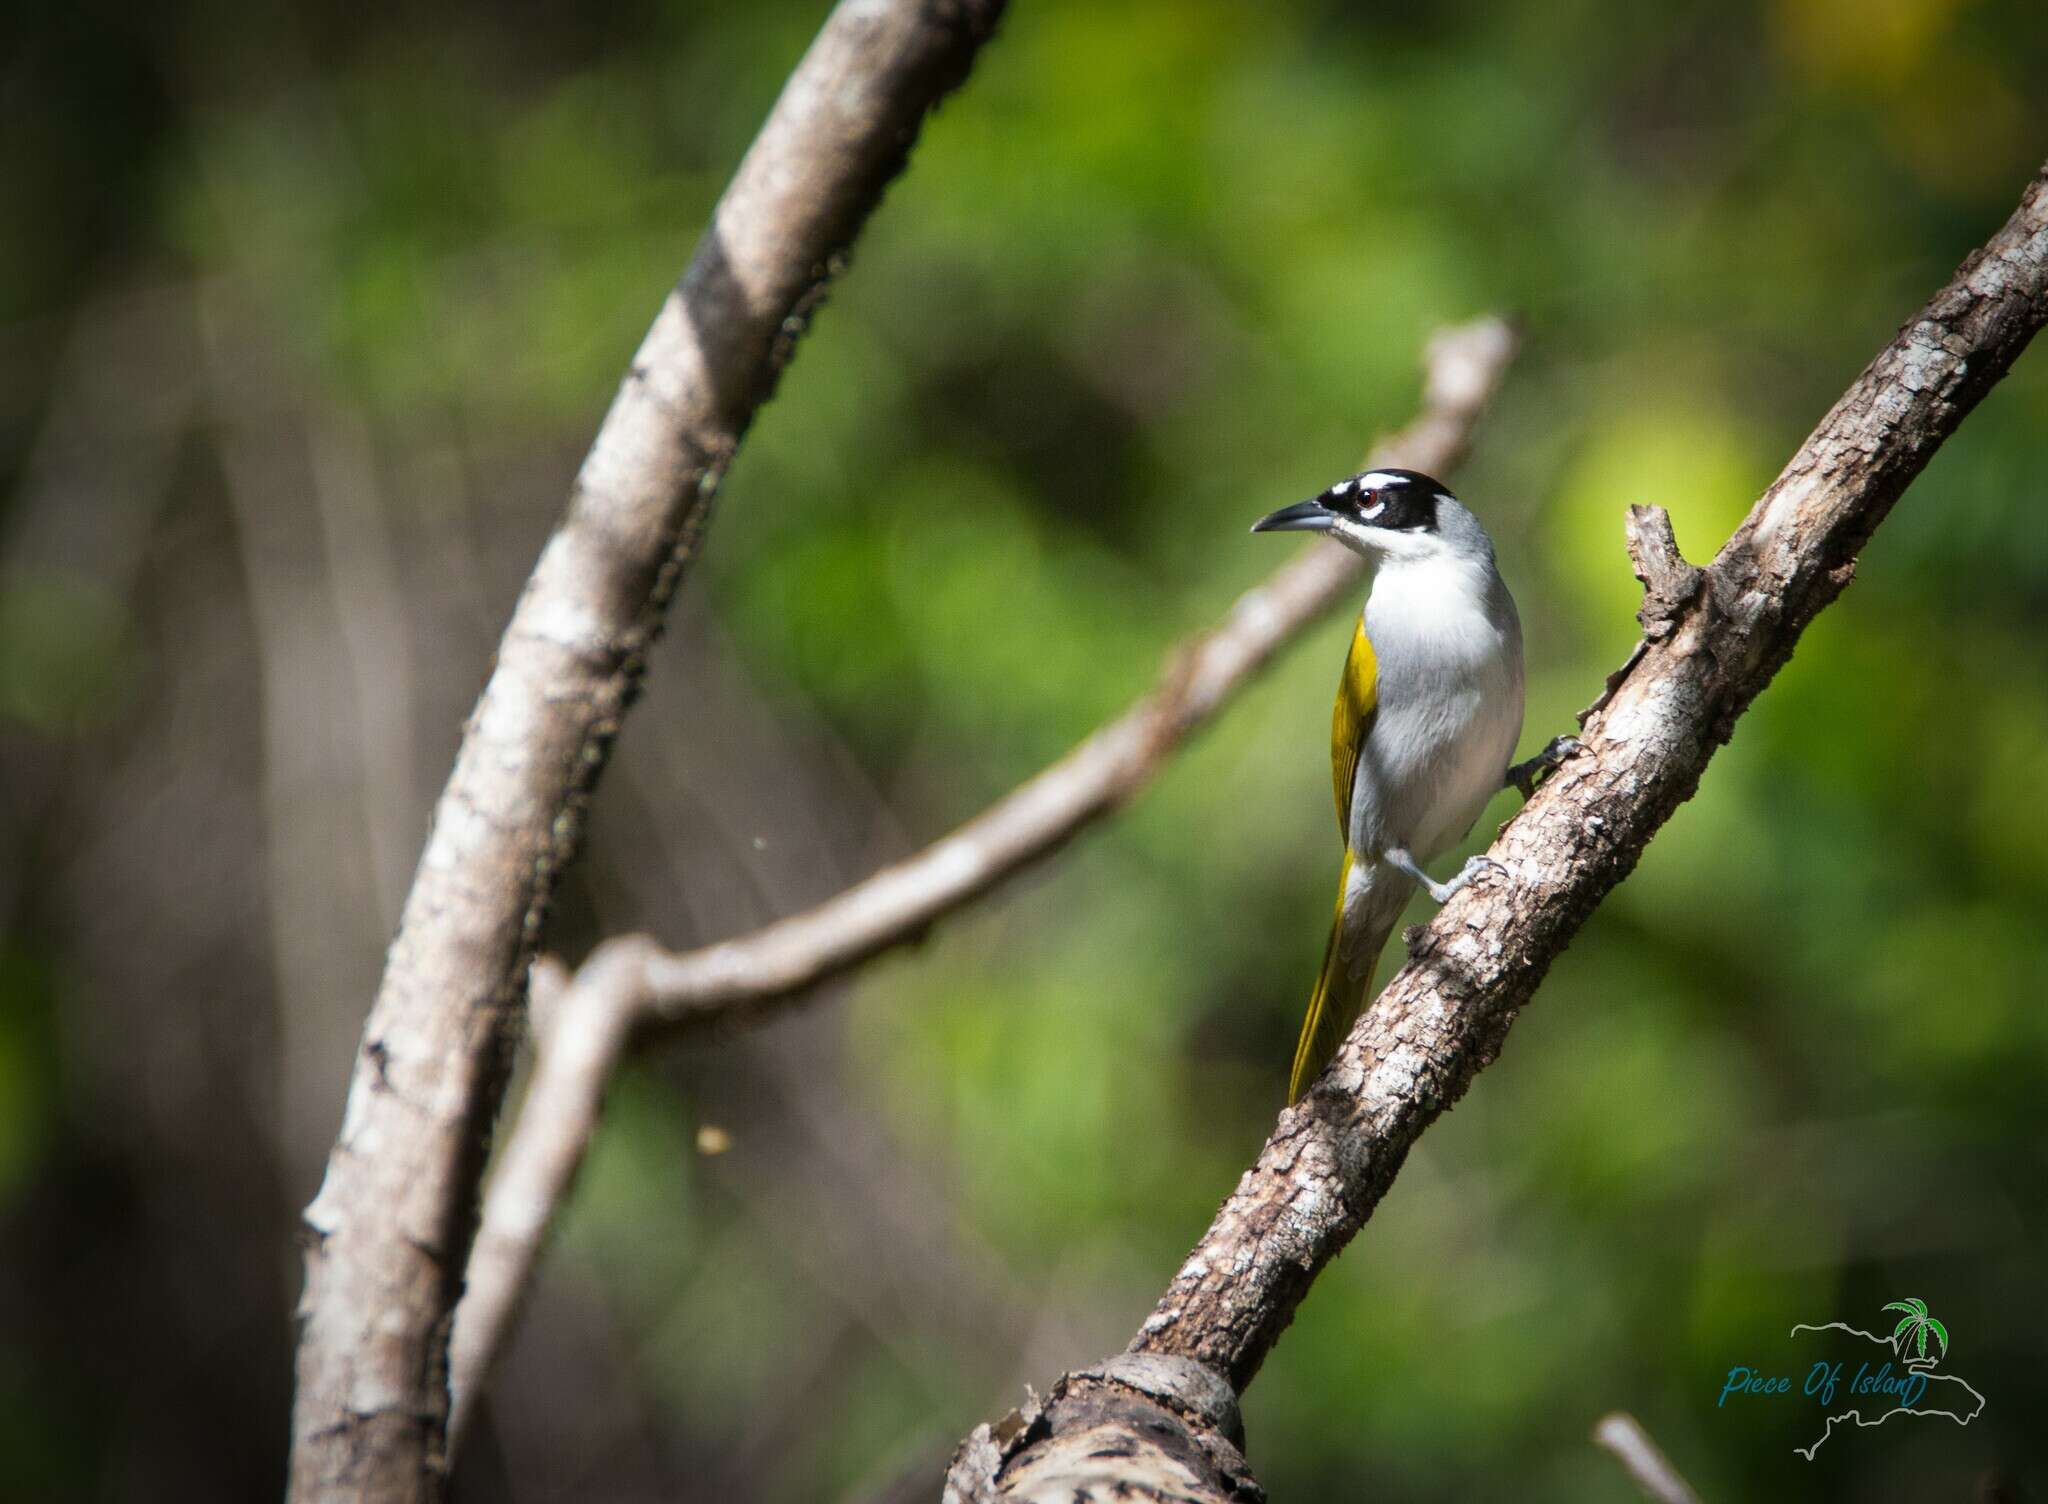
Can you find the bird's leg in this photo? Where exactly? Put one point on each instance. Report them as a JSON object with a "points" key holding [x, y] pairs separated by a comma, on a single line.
{"points": [[1398, 858], [1526, 775]]}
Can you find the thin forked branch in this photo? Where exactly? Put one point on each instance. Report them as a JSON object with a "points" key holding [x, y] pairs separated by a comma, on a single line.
{"points": [[388, 1236], [630, 986]]}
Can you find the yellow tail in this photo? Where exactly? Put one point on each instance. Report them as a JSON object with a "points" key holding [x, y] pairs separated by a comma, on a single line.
{"points": [[1333, 1006]]}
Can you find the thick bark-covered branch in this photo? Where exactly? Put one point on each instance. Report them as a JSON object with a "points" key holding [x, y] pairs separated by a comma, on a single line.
{"points": [[1138, 1426], [388, 1235], [1713, 638], [631, 986]]}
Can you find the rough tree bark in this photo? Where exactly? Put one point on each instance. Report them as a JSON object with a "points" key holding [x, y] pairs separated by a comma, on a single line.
{"points": [[388, 1234], [630, 987], [1713, 638]]}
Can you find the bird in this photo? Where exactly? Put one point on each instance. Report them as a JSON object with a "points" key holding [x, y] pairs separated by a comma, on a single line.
{"points": [[1428, 712]]}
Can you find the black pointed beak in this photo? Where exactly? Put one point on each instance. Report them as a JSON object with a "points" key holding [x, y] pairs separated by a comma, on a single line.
{"points": [[1309, 516]]}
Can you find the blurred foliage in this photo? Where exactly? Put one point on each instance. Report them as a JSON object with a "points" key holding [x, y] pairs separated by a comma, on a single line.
{"points": [[1159, 267]]}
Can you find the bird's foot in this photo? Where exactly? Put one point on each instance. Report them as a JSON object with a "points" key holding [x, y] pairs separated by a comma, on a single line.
{"points": [[1473, 869], [1399, 859], [1526, 776]]}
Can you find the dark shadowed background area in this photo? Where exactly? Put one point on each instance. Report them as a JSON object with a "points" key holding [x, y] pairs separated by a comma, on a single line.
{"points": [[306, 314]]}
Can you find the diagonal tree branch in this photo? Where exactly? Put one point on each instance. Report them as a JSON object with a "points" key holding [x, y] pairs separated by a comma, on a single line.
{"points": [[389, 1232], [1713, 638], [630, 986], [1623, 1435]]}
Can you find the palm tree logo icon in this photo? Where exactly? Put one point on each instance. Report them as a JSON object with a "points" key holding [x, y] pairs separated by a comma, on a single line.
{"points": [[1913, 1329]]}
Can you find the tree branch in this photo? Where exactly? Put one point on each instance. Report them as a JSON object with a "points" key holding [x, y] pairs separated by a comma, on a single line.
{"points": [[389, 1232], [1623, 1435], [1138, 1427], [630, 986], [1713, 638]]}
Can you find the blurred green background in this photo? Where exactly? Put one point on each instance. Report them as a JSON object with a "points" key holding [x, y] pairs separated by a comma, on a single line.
{"points": [[306, 314]]}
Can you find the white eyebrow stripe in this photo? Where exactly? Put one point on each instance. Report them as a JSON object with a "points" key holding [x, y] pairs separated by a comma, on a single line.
{"points": [[1340, 488], [1380, 478]]}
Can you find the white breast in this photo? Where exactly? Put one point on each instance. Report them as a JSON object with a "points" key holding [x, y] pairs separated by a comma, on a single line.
{"points": [[1450, 704]]}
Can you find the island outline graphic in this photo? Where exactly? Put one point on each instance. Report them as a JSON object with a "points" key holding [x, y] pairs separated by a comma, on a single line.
{"points": [[1914, 1329]]}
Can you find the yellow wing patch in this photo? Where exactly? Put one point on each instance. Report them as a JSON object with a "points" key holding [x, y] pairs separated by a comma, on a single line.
{"points": [[1334, 1005], [1358, 695], [1342, 980]]}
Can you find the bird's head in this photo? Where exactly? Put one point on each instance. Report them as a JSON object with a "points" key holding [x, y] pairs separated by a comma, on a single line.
{"points": [[1385, 515]]}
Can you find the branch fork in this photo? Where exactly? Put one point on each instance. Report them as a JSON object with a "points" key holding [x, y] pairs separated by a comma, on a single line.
{"points": [[1670, 585], [632, 990], [392, 1225]]}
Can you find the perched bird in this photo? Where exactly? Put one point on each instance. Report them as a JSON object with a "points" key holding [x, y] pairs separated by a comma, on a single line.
{"points": [[1428, 712]]}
